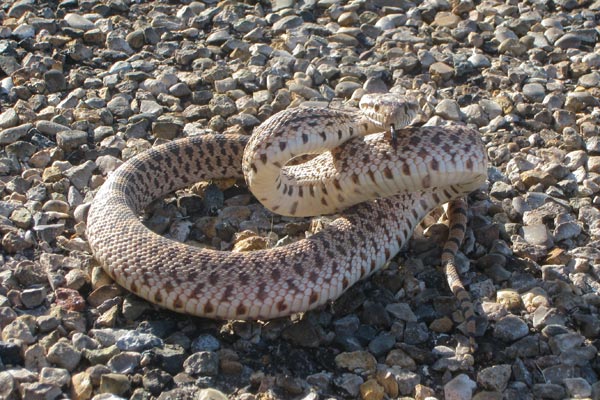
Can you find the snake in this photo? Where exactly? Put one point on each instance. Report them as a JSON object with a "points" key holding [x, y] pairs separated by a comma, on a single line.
{"points": [[376, 173]]}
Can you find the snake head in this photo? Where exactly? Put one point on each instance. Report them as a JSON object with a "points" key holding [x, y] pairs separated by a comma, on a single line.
{"points": [[389, 111]]}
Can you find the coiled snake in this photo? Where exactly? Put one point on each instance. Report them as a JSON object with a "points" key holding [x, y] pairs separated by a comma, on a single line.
{"points": [[420, 169]]}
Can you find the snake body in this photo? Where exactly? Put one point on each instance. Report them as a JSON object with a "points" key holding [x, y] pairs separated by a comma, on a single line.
{"points": [[427, 167]]}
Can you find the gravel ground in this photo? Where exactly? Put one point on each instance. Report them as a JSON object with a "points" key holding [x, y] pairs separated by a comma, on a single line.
{"points": [[85, 85]]}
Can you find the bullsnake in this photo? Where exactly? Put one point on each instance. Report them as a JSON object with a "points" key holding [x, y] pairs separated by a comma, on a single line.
{"points": [[407, 176]]}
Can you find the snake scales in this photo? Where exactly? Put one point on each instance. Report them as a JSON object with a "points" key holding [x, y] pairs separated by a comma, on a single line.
{"points": [[423, 168]]}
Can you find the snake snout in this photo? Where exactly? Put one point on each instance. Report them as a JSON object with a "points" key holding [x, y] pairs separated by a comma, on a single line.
{"points": [[389, 110]]}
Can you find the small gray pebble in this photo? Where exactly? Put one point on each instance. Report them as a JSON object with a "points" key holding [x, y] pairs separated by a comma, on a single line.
{"points": [[138, 341]]}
